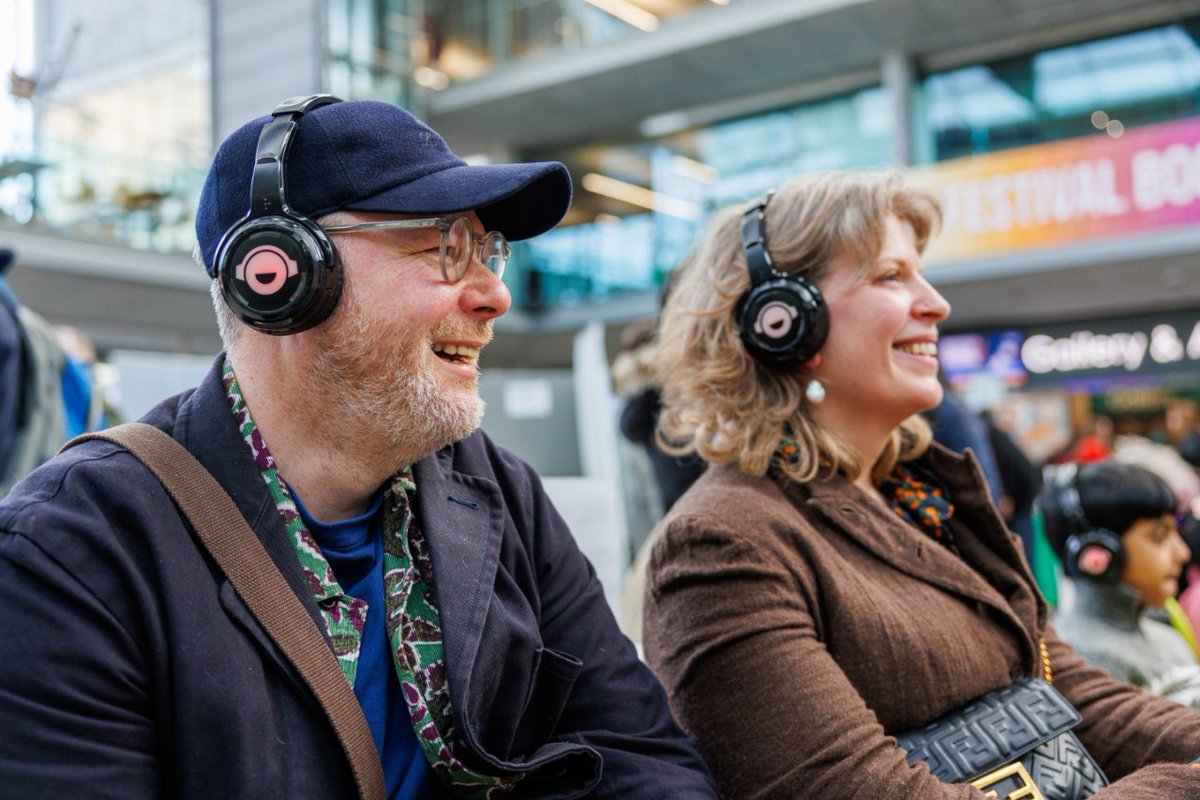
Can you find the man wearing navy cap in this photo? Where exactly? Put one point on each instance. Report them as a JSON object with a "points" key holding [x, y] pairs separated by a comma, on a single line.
{"points": [[356, 265]]}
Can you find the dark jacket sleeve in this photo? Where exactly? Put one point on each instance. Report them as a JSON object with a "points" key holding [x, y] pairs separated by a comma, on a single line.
{"points": [[76, 709], [617, 706]]}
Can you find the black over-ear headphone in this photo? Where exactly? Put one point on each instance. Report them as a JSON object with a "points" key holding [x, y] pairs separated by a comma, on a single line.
{"points": [[1091, 552], [782, 317], [278, 270]]}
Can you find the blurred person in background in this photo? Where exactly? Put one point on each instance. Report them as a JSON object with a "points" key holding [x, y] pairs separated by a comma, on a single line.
{"points": [[958, 428], [1020, 483], [1189, 579], [1113, 528], [12, 366], [834, 578], [342, 420], [1161, 459], [637, 386], [47, 394]]}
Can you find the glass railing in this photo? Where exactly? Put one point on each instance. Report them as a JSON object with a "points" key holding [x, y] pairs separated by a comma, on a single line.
{"points": [[76, 189], [468, 38]]}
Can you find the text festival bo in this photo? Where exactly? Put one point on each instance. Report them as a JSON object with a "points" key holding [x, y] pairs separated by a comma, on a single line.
{"points": [[1072, 192]]}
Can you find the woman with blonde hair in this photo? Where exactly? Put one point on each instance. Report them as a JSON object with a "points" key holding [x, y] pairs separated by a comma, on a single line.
{"points": [[835, 580]]}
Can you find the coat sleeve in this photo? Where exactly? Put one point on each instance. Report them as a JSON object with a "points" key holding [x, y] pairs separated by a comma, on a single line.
{"points": [[734, 636], [76, 714], [617, 706], [1123, 726]]}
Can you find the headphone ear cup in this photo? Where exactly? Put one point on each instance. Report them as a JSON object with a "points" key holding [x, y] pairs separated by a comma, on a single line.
{"points": [[783, 321], [1097, 555], [279, 275]]}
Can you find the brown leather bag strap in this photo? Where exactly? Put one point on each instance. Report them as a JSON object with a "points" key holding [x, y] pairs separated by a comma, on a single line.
{"points": [[244, 560]]}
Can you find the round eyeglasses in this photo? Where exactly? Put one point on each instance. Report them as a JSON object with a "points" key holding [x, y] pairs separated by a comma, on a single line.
{"points": [[459, 243]]}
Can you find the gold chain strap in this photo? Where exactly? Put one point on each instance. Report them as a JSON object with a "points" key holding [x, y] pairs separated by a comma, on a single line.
{"points": [[1047, 671]]}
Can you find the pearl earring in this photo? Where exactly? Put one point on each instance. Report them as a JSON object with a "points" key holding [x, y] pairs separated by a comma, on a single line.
{"points": [[815, 392]]}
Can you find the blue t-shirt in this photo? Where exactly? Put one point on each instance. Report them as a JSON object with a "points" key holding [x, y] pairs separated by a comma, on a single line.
{"points": [[354, 549]]}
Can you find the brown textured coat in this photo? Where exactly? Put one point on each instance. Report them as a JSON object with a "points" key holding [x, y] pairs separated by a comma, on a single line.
{"points": [[796, 626]]}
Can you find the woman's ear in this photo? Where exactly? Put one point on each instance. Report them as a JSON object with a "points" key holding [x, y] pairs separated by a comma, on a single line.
{"points": [[812, 363]]}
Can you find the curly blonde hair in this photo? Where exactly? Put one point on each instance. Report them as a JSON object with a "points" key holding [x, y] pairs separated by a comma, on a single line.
{"points": [[718, 401]]}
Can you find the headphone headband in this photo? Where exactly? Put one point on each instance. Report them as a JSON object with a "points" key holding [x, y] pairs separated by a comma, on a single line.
{"points": [[754, 241], [266, 183], [1090, 552]]}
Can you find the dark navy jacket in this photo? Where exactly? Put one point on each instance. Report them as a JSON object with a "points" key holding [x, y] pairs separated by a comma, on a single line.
{"points": [[129, 668]]}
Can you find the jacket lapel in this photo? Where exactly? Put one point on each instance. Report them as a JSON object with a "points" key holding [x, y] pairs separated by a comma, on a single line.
{"points": [[463, 520], [886, 536]]}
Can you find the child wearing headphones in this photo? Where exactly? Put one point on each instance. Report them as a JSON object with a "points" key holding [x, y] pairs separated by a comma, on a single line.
{"points": [[1113, 527]]}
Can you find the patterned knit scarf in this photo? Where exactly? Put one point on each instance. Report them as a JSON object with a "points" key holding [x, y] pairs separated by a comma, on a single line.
{"points": [[922, 504], [413, 622]]}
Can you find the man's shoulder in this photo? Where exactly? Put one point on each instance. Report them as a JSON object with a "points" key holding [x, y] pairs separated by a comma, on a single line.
{"points": [[89, 481]]}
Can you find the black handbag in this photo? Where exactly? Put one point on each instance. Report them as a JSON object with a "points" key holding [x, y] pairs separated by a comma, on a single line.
{"points": [[1013, 743]]}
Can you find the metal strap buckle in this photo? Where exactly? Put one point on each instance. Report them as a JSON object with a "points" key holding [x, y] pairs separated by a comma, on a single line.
{"points": [[1025, 788]]}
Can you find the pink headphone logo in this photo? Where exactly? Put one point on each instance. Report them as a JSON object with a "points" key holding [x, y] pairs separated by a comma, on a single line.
{"points": [[265, 269], [775, 320], [1094, 560]]}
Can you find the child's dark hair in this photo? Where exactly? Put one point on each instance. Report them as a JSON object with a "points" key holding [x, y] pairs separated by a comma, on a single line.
{"points": [[1112, 495]]}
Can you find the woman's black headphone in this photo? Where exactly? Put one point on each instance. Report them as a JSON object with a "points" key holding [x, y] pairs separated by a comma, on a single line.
{"points": [[277, 268], [782, 317], [1090, 552]]}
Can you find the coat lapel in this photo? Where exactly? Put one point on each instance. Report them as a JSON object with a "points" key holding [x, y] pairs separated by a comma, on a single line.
{"points": [[463, 520], [899, 544]]}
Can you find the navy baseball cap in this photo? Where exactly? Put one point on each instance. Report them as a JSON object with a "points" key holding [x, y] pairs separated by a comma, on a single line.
{"points": [[363, 155]]}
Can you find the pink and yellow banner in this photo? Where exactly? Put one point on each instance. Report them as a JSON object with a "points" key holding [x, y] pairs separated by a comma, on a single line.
{"points": [[1069, 191]]}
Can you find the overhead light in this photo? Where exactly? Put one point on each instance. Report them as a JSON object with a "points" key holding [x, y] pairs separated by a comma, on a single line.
{"points": [[628, 13], [431, 78], [720, 2], [696, 170], [640, 196]]}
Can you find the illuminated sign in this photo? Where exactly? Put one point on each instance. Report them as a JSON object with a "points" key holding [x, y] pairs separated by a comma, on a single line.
{"points": [[1048, 355], [1085, 350], [1068, 191]]}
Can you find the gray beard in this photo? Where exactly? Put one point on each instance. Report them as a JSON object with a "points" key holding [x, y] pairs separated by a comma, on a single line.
{"points": [[382, 399]]}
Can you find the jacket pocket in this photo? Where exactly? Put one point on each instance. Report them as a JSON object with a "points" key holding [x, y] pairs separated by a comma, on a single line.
{"points": [[550, 688]]}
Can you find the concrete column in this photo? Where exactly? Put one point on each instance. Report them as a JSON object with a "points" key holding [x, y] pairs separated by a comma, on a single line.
{"points": [[898, 76]]}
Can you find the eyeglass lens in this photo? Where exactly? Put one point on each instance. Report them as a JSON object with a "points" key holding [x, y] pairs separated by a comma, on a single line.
{"points": [[460, 249]]}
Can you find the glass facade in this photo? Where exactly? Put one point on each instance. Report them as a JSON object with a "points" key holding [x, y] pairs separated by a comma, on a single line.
{"points": [[468, 38], [1104, 85], [639, 207], [371, 47], [110, 143]]}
